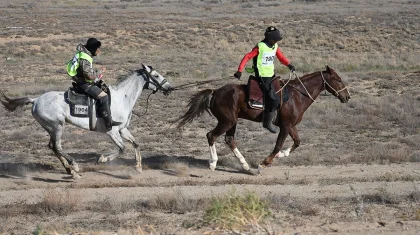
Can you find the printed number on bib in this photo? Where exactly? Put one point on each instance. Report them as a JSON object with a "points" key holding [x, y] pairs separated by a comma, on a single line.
{"points": [[268, 58], [80, 109]]}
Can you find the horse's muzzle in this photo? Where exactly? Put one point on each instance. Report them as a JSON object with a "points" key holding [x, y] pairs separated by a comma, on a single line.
{"points": [[167, 91], [344, 99]]}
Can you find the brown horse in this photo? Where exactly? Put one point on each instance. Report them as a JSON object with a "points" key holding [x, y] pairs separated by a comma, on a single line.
{"points": [[228, 103]]}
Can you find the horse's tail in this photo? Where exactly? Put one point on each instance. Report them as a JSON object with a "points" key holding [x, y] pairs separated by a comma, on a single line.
{"points": [[12, 104], [198, 103]]}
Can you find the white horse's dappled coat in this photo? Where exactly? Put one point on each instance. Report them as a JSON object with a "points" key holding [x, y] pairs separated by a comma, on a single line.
{"points": [[51, 111]]}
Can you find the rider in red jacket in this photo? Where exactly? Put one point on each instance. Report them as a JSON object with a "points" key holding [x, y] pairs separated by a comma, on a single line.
{"points": [[263, 64]]}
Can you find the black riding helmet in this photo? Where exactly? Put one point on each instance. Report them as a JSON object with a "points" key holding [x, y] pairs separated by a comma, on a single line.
{"points": [[92, 45], [272, 33]]}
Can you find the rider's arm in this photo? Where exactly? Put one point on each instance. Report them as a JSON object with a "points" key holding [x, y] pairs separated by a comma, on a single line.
{"points": [[247, 57], [281, 57], [89, 72]]}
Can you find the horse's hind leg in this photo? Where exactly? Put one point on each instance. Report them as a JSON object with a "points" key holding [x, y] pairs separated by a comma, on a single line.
{"points": [[230, 140], [128, 136], [211, 138], [55, 144]]}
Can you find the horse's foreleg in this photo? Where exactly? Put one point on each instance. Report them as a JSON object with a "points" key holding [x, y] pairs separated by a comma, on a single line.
{"points": [[128, 136], [230, 140], [296, 142], [116, 138], [284, 131]]}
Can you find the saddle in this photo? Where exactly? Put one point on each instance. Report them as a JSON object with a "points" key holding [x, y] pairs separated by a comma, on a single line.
{"points": [[255, 94], [83, 105]]}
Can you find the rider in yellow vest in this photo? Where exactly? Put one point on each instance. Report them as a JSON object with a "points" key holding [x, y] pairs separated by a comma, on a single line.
{"points": [[263, 63], [80, 68]]}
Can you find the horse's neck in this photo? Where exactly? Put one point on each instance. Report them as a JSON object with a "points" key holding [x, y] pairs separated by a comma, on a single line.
{"points": [[314, 84], [128, 90]]}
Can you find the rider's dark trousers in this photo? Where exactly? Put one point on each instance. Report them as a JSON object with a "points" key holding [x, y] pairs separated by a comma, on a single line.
{"points": [[271, 99], [91, 89]]}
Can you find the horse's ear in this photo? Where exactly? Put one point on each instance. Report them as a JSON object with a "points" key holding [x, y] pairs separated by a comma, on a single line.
{"points": [[147, 68], [327, 68]]}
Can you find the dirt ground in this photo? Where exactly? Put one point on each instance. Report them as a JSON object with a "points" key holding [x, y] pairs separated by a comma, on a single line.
{"points": [[357, 170]]}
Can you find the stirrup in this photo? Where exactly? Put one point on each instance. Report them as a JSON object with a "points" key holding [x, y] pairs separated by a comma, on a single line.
{"points": [[256, 104]]}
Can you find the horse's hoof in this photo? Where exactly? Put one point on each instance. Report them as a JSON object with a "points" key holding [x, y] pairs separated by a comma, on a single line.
{"points": [[213, 165], [75, 166], [76, 176], [139, 169], [102, 159], [246, 167], [254, 171], [260, 169]]}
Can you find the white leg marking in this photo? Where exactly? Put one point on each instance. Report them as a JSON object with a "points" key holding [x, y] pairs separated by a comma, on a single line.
{"points": [[284, 153], [102, 159], [287, 152], [241, 158], [213, 157], [279, 154]]}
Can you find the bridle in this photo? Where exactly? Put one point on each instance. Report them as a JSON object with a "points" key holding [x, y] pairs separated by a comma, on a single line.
{"points": [[326, 83], [336, 93], [151, 80]]}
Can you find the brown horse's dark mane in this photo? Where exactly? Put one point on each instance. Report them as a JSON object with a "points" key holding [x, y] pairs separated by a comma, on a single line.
{"points": [[304, 78], [308, 76]]}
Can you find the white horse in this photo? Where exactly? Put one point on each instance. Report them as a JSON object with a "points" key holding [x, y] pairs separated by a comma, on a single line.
{"points": [[51, 111]]}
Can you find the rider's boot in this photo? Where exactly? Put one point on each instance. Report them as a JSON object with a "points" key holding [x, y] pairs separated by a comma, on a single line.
{"points": [[105, 112], [268, 121]]}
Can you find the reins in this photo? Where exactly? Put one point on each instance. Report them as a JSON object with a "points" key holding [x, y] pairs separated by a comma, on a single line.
{"points": [[174, 89], [307, 92], [305, 87], [147, 106], [187, 85]]}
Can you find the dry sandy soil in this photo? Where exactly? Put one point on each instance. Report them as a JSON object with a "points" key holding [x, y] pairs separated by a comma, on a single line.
{"points": [[357, 170]]}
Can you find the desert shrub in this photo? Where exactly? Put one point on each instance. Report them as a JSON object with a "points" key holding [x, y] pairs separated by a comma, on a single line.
{"points": [[57, 201], [232, 210], [174, 202], [382, 196]]}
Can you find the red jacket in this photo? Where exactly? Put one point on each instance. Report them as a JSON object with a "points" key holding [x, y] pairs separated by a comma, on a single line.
{"points": [[255, 52]]}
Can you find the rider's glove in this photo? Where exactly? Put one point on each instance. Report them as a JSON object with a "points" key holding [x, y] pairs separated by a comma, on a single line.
{"points": [[238, 75], [291, 67]]}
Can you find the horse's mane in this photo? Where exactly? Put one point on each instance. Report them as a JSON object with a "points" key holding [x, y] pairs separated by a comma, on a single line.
{"points": [[122, 78], [310, 75]]}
